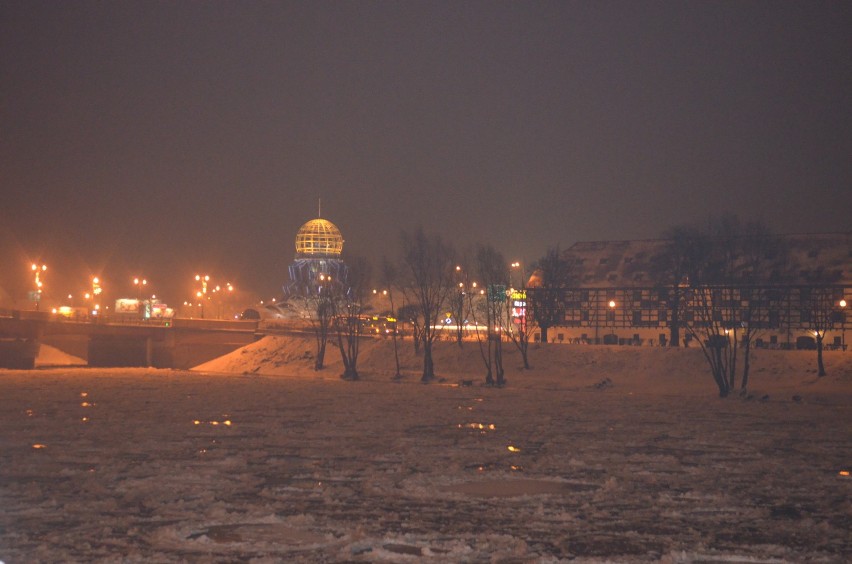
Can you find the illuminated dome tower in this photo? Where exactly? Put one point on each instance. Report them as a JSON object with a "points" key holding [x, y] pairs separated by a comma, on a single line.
{"points": [[319, 246], [319, 238]]}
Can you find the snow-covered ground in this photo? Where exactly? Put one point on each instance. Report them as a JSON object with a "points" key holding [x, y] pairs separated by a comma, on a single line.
{"points": [[597, 454]]}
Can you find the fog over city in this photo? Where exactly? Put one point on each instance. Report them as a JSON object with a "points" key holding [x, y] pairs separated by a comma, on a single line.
{"points": [[171, 139]]}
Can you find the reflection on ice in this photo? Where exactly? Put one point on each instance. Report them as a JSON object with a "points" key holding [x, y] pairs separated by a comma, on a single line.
{"points": [[483, 427], [214, 423]]}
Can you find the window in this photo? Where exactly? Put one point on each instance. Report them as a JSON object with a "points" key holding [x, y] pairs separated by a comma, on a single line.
{"points": [[774, 319]]}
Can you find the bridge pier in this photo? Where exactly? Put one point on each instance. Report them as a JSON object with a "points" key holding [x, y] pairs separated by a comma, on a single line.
{"points": [[18, 353]]}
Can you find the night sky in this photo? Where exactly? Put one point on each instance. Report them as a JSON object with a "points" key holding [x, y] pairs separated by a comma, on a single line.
{"points": [[166, 139]]}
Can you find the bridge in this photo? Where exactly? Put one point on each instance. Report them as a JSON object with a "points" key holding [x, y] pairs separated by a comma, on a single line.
{"points": [[170, 343]]}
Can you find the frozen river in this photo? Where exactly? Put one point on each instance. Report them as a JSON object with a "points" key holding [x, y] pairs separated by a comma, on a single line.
{"points": [[153, 465]]}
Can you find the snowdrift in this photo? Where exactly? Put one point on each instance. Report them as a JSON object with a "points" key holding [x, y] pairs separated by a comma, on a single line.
{"points": [[638, 369]]}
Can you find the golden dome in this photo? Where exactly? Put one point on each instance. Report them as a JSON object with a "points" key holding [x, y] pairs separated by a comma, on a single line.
{"points": [[319, 238]]}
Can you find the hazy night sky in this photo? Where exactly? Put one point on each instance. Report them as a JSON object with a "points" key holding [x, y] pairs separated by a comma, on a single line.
{"points": [[169, 138]]}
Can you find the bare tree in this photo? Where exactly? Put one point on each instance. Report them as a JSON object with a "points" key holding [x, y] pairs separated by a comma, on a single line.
{"points": [[517, 326], [697, 269], [725, 308], [410, 313], [545, 305], [458, 304], [321, 310], [820, 309], [430, 264], [712, 326], [759, 250], [673, 269], [347, 321], [389, 279], [494, 276]]}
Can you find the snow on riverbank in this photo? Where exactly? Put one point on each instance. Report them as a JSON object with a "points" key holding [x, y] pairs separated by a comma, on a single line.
{"points": [[256, 457], [645, 369]]}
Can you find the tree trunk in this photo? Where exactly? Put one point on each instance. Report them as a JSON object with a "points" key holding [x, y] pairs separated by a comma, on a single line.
{"points": [[428, 365], [719, 373], [674, 328], [498, 361], [732, 369], [318, 365], [820, 365], [746, 363], [525, 357], [415, 335], [396, 375]]}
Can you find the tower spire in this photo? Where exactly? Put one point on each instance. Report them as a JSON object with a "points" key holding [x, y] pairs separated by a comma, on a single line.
{"points": [[319, 207]]}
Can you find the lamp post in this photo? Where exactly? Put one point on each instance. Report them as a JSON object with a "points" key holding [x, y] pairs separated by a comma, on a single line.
{"points": [[39, 271], [228, 297], [517, 266], [202, 293], [97, 289], [842, 305], [612, 305], [139, 283]]}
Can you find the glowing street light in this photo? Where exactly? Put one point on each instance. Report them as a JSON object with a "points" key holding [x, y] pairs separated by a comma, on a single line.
{"points": [[842, 305], [39, 271], [139, 283], [202, 293], [97, 289]]}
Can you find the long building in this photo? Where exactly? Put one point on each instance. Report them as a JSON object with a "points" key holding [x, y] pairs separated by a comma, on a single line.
{"points": [[618, 292]]}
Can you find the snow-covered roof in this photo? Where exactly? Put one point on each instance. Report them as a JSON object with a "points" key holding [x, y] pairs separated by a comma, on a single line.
{"points": [[813, 257]]}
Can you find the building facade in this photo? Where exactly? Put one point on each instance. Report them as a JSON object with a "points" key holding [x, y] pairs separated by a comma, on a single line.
{"points": [[783, 294]]}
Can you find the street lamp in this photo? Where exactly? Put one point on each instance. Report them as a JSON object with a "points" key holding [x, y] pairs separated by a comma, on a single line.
{"points": [[842, 305], [38, 270], [517, 265], [96, 291], [139, 283], [202, 294], [611, 316]]}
